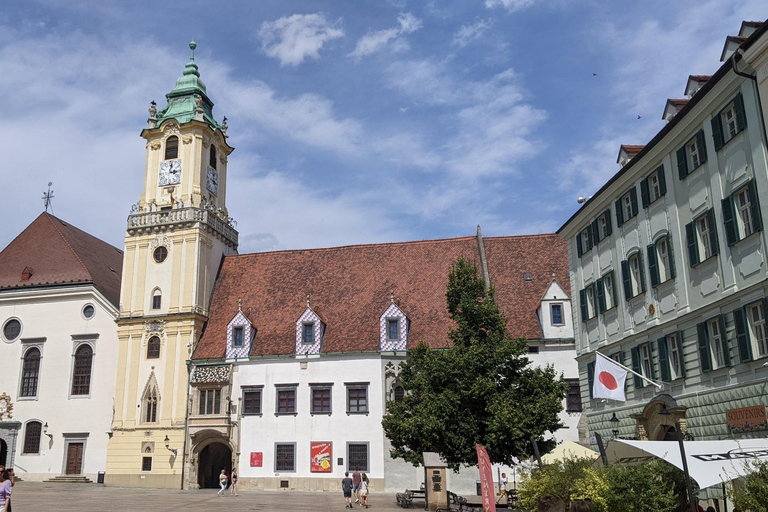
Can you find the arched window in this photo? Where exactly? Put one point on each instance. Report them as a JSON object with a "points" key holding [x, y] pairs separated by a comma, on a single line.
{"points": [[153, 348], [171, 147], [150, 405], [30, 372], [157, 299], [81, 378], [399, 393], [32, 437], [212, 159]]}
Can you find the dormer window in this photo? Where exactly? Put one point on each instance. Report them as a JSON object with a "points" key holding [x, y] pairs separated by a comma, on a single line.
{"points": [[393, 329], [212, 157], [171, 147], [240, 334], [308, 335], [309, 332], [237, 337]]}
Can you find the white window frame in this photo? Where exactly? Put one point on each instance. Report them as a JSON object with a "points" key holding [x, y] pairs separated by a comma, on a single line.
{"points": [[744, 221], [730, 122], [602, 226], [674, 357], [662, 259], [241, 330], [552, 307], [716, 342], [626, 203], [692, 151], [757, 329], [646, 363], [654, 187], [703, 237], [304, 327], [608, 291], [635, 273], [396, 322], [586, 240], [591, 302]]}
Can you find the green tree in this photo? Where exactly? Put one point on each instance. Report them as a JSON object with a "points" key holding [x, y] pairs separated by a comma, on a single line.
{"points": [[573, 478], [481, 389], [751, 492]]}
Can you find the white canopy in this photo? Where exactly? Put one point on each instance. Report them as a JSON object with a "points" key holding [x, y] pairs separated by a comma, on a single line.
{"points": [[568, 450], [709, 462]]}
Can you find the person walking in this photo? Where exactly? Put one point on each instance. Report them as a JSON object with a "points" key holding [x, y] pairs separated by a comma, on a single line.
{"points": [[503, 488], [356, 485], [222, 482], [346, 487], [364, 484], [6, 489], [233, 484]]}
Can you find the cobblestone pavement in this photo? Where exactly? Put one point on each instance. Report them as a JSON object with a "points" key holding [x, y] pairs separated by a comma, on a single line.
{"points": [[60, 497]]}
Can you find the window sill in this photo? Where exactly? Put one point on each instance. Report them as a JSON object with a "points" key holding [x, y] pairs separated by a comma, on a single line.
{"points": [[695, 169], [751, 235], [706, 261], [725, 143], [635, 297], [252, 414], [664, 283], [610, 310], [26, 398], [320, 413], [286, 414], [361, 413]]}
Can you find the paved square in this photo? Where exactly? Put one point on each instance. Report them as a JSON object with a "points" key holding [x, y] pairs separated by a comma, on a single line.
{"points": [[58, 497]]}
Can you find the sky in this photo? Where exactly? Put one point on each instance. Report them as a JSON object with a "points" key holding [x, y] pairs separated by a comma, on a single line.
{"points": [[354, 122]]}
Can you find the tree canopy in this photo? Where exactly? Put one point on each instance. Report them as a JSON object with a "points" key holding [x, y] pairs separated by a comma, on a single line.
{"points": [[481, 389]]}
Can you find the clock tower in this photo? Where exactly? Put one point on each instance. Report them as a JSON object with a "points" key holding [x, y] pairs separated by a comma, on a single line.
{"points": [[177, 234]]}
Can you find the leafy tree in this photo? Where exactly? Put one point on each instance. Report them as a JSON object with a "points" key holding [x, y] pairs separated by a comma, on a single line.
{"points": [[574, 478], [751, 493], [481, 389]]}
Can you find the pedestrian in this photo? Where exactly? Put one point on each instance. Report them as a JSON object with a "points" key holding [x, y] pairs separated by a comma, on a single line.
{"points": [[12, 479], [6, 489], [364, 483], [233, 485], [222, 482], [356, 485], [582, 506], [346, 487], [503, 488]]}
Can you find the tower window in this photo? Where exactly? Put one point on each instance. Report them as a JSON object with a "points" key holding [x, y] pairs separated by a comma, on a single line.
{"points": [[157, 299], [172, 147], [153, 348], [12, 329], [150, 405], [160, 254], [212, 159]]}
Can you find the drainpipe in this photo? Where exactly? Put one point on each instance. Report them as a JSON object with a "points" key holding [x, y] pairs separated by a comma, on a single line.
{"points": [[186, 423], [753, 78]]}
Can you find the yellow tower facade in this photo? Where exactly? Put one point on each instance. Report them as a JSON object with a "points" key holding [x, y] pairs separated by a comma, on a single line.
{"points": [[177, 234]]}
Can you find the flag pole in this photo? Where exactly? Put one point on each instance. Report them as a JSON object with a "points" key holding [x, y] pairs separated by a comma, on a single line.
{"points": [[660, 386]]}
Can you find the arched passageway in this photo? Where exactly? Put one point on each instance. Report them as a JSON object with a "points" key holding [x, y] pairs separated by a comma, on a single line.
{"points": [[213, 458]]}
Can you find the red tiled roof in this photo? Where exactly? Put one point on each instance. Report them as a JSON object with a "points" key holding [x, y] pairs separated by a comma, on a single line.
{"points": [[699, 78], [678, 102], [350, 287], [632, 149], [58, 253]]}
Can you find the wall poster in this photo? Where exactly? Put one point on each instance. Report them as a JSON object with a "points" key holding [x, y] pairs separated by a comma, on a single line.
{"points": [[256, 459], [320, 457]]}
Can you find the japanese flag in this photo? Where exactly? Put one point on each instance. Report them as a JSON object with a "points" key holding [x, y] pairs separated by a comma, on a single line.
{"points": [[609, 380]]}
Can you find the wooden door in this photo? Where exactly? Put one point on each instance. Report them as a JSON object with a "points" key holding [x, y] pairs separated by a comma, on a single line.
{"points": [[74, 458]]}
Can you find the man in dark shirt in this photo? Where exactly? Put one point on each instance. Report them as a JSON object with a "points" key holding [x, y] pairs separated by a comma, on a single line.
{"points": [[356, 480], [346, 486]]}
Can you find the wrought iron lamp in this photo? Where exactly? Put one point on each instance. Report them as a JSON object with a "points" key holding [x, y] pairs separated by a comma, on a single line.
{"points": [[174, 451], [45, 431], [615, 425]]}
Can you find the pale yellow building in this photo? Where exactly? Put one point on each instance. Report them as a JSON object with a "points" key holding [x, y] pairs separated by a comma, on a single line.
{"points": [[177, 234]]}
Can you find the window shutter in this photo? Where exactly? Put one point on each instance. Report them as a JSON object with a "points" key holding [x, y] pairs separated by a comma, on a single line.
{"points": [[742, 337], [645, 194], [619, 213], [741, 117], [755, 205], [579, 248], [653, 266], [600, 295], [589, 238], [701, 145], [729, 219], [661, 345], [682, 163], [583, 305], [608, 222], [613, 288], [713, 231], [626, 279], [680, 351], [591, 376], [693, 246], [642, 271], [633, 199], [662, 180], [653, 371], [717, 132], [636, 367], [724, 340], [705, 357], [595, 233], [671, 256]]}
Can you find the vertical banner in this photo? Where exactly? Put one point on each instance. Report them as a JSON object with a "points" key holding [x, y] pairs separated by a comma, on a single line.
{"points": [[486, 479], [320, 457], [256, 459]]}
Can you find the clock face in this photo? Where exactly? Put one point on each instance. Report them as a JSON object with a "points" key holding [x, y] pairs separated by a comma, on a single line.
{"points": [[170, 172], [212, 181]]}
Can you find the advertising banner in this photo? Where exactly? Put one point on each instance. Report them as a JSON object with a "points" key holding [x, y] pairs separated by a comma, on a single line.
{"points": [[746, 419], [320, 457], [256, 459], [486, 479]]}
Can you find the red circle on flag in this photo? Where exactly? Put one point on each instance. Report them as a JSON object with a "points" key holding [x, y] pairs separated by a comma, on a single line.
{"points": [[608, 380]]}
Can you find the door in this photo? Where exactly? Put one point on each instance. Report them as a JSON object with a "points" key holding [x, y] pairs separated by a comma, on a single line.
{"points": [[74, 458]]}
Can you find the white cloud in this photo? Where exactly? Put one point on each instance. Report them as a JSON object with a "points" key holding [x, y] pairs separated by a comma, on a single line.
{"points": [[510, 5], [373, 42], [293, 39], [469, 33]]}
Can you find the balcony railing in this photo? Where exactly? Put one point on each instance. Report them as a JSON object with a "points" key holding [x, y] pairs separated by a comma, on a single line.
{"points": [[182, 218]]}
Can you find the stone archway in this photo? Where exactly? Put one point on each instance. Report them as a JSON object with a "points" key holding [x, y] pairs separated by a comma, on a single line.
{"points": [[654, 425], [212, 459]]}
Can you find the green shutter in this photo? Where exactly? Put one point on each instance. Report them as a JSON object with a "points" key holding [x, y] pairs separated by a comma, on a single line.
{"points": [[680, 351], [583, 305], [662, 180], [653, 266], [595, 233], [713, 231], [717, 132], [729, 220], [633, 200], [608, 222], [741, 117], [671, 256], [645, 193], [600, 295], [626, 280], [650, 354], [591, 376], [724, 341], [636, 367], [682, 163], [661, 346], [589, 238], [701, 145], [705, 356], [754, 202], [642, 270], [619, 213], [579, 248], [742, 335], [692, 244]]}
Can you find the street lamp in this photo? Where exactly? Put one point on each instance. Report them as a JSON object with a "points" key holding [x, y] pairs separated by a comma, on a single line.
{"points": [[615, 425], [174, 451]]}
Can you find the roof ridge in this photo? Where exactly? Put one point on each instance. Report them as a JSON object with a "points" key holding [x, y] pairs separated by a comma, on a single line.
{"points": [[66, 241]]}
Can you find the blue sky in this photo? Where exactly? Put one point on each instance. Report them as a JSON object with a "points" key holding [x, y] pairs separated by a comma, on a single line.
{"points": [[353, 122]]}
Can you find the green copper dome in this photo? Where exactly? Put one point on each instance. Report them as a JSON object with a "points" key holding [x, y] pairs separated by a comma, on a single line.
{"points": [[189, 97]]}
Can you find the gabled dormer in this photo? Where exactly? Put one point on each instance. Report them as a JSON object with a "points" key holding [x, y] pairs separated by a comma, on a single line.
{"points": [[555, 313], [393, 328], [672, 107], [695, 82], [309, 332], [732, 44], [240, 334], [627, 152]]}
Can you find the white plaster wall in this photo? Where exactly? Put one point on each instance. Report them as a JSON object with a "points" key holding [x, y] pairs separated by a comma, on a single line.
{"points": [[563, 358], [57, 315]]}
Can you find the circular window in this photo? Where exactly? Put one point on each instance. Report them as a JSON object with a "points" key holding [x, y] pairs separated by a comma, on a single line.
{"points": [[160, 254], [12, 329], [89, 311]]}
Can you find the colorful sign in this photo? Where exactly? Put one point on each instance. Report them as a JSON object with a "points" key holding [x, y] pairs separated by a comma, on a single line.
{"points": [[486, 479], [320, 457], [257, 458], [746, 419]]}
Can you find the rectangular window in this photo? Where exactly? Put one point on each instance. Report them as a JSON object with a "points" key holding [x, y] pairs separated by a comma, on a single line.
{"points": [[654, 187], [286, 400], [584, 240], [694, 155], [610, 297], [675, 357], [251, 401], [156, 301], [146, 463], [321, 400], [645, 359], [285, 457], [744, 207], [573, 398], [210, 401], [626, 202], [741, 213], [357, 457], [393, 329], [756, 317], [557, 314], [602, 225], [634, 282], [691, 155], [701, 237], [729, 122], [730, 126], [704, 240], [590, 295], [716, 338], [661, 265], [309, 333], [357, 398], [237, 337], [32, 434]]}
